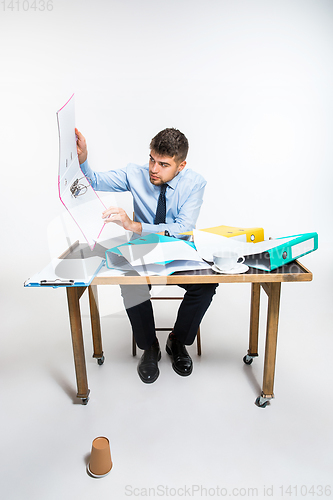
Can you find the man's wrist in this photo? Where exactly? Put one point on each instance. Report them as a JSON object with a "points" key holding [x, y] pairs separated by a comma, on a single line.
{"points": [[83, 159], [136, 227]]}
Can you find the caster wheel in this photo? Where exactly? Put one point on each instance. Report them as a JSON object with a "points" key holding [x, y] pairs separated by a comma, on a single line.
{"points": [[85, 401], [261, 405], [248, 360], [101, 360]]}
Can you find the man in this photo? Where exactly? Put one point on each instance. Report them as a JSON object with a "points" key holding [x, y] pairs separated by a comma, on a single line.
{"points": [[167, 198]]}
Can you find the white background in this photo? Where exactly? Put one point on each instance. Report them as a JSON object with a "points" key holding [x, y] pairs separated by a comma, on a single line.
{"points": [[248, 82]]}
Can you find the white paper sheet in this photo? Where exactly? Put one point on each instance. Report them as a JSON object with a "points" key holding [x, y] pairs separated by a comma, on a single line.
{"points": [[105, 272], [207, 244], [142, 255], [170, 268]]}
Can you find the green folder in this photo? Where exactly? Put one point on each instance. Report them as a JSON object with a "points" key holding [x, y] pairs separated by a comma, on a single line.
{"points": [[272, 254]]}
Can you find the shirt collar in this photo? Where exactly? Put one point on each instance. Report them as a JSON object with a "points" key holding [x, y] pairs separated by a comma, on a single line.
{"points": [[173, 183]]}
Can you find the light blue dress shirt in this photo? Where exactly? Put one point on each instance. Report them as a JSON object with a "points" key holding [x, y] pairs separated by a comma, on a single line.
{"points": [[184, 196]]}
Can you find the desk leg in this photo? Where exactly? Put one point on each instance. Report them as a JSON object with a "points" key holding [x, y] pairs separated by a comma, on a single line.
{"points": [[273, 291], [95, 324], [73, 297], [254, 324]]}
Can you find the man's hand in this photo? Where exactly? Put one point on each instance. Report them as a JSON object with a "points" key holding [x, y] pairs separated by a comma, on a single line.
{"points": [[81, 147], [120, 217]]}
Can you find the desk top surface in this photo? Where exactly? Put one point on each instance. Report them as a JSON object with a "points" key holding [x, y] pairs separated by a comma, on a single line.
{"points": [[294, 271]]}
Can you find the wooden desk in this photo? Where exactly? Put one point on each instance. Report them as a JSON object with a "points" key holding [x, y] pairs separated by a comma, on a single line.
{"points": [[269, 281]]}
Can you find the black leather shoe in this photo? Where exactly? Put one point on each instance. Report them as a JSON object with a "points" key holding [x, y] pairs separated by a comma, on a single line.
{"points": [[147, 368], [181, 360]]}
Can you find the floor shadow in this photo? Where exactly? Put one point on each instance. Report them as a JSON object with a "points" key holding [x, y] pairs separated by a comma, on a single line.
{"points": [[253, 382], [86, 459], [67, 388]]}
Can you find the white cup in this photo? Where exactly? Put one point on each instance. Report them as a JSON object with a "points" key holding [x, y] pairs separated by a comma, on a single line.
{"points": [[225, 260]]}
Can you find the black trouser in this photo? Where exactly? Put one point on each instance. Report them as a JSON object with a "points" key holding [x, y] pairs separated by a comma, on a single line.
{"points": [[191, 311]]}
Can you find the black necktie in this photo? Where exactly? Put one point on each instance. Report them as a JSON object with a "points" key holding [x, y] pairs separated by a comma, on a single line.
{"points": [[161, 206]]}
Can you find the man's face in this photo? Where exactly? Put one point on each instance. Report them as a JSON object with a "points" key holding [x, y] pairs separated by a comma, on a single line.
{"points": [[163, 168]]}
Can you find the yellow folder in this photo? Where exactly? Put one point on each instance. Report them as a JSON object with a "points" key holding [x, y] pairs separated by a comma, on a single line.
{"points": [[251, 234]]}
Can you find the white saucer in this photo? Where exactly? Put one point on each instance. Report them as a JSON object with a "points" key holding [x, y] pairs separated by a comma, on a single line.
{"points": [[239, 269]]}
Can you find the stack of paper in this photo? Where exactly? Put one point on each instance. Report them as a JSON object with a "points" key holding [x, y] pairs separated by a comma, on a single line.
{"points": [[155, 254]]}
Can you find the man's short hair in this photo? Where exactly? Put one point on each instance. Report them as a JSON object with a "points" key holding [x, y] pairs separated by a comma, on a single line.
{"points": [[170, 142]]}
